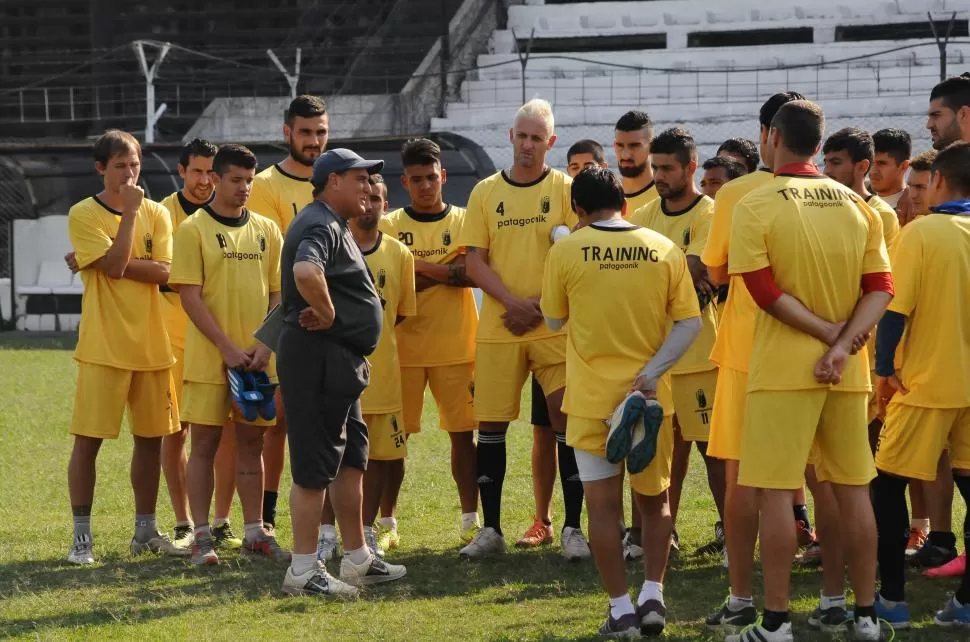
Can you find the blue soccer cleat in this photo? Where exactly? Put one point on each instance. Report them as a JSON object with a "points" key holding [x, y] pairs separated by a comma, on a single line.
{"points": [[261, 383], [242, 390]]}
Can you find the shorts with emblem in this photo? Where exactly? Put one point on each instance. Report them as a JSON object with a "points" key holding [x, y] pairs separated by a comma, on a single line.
{"points": [[588, 437], [727, 414], [693, 402], [103, 393], [914, 437], [781, 428], [209, 404], [452, 388], [385, 437], [502, 368]]}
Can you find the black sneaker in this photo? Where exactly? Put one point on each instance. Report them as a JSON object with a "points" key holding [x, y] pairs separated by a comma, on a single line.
{"points": [[626, 626], [724, 619], [831, 620], [930, 556], [223, 537], [653, 617], [715, 546]]}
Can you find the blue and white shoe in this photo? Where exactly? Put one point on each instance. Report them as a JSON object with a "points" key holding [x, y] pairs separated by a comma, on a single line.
{"points": [[896, 616], [953, 614], [262, 384], [242, 390], [645, 435], [622, 425]]}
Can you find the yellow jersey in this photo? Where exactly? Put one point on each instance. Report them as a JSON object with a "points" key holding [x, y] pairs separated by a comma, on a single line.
{"points": [[237, 263], [443, 331], [735, 328], [890, 221], [641, 198], [176, 321], [688, 229], [514, 222], [121, 319], [279, 196], [931, 276], [391, 265], [819, 238], [590, 277]]}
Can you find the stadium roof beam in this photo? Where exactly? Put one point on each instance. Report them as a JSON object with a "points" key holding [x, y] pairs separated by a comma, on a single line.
{"points": [[291, 79], [151, 113]]}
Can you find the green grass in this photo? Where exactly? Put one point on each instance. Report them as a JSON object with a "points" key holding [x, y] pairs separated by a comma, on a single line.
{"points": [[523, 596]]}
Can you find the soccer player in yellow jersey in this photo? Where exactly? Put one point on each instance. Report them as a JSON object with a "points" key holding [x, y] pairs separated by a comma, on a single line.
{"points": [[890, 161], [719, 171], [683, 215], [122, 247], [279, 192], [631, 144], [582, 154], [807, 391], [508, 231], [227, 272], [926, 387], [741, 150], [918, 181], [437, 345], [621, 287], [732, 352]]}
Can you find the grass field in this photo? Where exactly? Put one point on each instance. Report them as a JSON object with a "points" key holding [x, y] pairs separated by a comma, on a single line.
{"points": [[530, 595]]}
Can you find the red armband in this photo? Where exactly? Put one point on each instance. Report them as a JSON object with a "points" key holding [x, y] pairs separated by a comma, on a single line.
{"points": [[878, 282], [761, 284]]}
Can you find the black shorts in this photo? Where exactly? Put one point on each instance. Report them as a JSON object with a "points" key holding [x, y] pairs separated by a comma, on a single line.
{"points": [[321, 382], [540, 409]]}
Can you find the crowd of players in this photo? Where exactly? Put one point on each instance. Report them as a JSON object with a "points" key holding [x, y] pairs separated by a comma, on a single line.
{"points": [[650, 314]]}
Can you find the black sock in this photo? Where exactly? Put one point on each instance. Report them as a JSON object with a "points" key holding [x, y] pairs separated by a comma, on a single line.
{"points": [[572, 488], [892, 524], [963, 593], [865, 611], [490, 458], [772, 620], [269, 507], [943, 539], [801, 514]]}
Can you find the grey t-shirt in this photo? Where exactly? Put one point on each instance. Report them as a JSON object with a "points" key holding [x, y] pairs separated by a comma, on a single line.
{"points": [[320, 236]]}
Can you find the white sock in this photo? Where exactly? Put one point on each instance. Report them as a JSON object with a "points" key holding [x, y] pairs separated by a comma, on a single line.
{"points": [[468, 520], [185, 523], [220, 521], [829, 602], [328, 531], [390, 523], [920, 524], [253, 530], [620, 606], [358, 556], [651, 591], [736, 603], [202, 531], [303, 563]]}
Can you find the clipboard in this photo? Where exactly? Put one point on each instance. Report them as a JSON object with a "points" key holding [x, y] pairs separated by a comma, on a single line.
{"points": [[268, 333]]}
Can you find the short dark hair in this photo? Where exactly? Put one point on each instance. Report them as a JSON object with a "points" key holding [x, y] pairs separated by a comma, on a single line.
{"points": [[773, 104], [597, 188], [857, 142], [196, 147], [732, 168], [800, 124], [375, 179], [676, 141], [953, 162], [235, 156], [113, 142], [587, 146], [634, 121], [304, 106], [743, 147], [420, 151], [954, 91], [895, 142], [923, 162]]}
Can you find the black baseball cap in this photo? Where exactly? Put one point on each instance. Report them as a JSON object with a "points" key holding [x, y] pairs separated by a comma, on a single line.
{"points": [[340, 160]]}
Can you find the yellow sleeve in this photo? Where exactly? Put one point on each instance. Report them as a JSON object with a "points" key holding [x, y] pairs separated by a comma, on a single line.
{"points": [[554, 301], [275, 253], [748, 249], [570, 218], [89, 240], [187, 266], [907, 271], [681, 296], [407, 304], [162, 235], [876, 258], [474, 229], [715, 251], [700, 232], [890, 231], [386, 225], [638, 216], [263, 201]]}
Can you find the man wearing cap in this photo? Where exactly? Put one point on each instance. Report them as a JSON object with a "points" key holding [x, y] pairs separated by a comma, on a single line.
{"points": [[332, 321]]}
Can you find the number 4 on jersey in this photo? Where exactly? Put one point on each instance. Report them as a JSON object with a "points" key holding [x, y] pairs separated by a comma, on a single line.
{"points": [[501, 208]]}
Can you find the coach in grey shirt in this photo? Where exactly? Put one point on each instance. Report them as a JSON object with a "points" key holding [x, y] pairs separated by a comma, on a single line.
{"points": [[333, 320]]}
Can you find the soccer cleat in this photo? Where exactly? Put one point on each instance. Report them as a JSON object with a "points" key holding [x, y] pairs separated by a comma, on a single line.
{"points": [[806, 536], [373, 571], [619, 440], [631, 550], [653, 617], [487, 542], [867, 629], [468, 534], [265, 545], [223, 537], [81, 551], [242, 390], [316, 582], [370, 538], [916, 540], [726, 620], [625, 626], [538, 534], [757, 633], [930, 555], [183, 537], [953, 614], [811, 557], [645, 434], [831, 620], [716, 545], [262, 384], [204, 553], [158, 543], [387, 538], [328, 549], [574, 545], [954, 568]]}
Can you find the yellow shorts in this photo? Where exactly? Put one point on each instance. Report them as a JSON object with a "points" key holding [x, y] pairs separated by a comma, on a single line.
{"points": [[208, 404], [873, 408], [385, 437], [913, 438], [451, 387], [694, 395], [104, 392], [589, 435], [782, 426], [727, 416], [502, 368], [177, 371]]}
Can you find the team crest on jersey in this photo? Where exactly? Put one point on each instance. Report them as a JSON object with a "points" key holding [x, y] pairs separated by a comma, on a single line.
{"points": [[262, 243], [221, 240], [381, 278], [148, 243], [545, 204], [446, 238], [686, 238]]}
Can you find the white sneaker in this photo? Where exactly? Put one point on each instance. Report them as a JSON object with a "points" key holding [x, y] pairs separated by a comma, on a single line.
{"points": [[81, 552], [867, 629], [487, 542], [158, 543], [574, 545], [316, 581], [373, 571], [328, 549], [757, 633], [620, 440], [631, 551], [370, 538]]}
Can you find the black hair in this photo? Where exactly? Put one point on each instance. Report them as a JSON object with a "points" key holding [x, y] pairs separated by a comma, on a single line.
{"points": [[744, 148], [587, 146], [895, 142], [420, 151], [857, 142], [954, 91], [676, 141], [953, 162], [304, 106], [634, 121], [732, 168], [196, 147], [773, 104], [232, 155], [597, 188]]}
